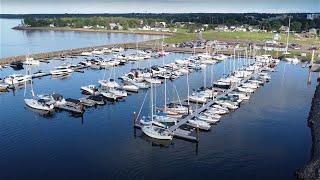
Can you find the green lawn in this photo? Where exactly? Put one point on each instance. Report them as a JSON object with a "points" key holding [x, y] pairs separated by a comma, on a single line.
{"points": [[181, 35]]}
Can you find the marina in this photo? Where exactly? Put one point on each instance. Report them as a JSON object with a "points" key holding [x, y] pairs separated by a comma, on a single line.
{"points": [[130, 106]]}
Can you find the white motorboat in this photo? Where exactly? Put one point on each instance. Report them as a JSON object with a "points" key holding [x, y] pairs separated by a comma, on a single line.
{"points": [[86, 54], [130, 88], [16, 79], [156, 132], [227, 104], [217, 106], [250, 85], [164, 119], [111, 83], [220, 57], [109, 96], [245, 90], [217, 111], [3, 87], [118, 93], [91, 89], [153, 80], [180, 109], [38, 74], [31, 61], [207, 119], [197, 98], [199, 124], [140, 85], [212, 115], [61, 70], [117, 49], [96, 51]]}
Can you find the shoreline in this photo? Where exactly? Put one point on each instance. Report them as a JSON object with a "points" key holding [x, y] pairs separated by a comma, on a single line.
{"points": [[92, 30], [312, 169]]}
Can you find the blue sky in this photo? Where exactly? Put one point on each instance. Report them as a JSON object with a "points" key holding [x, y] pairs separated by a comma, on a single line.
{"points": [[153, 6]]}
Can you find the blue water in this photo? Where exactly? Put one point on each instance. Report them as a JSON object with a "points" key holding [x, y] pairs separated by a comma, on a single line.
{"points": [[266, 138], [15, 42]]}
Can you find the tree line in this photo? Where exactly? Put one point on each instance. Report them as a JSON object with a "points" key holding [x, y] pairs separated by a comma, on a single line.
{"points": [[269, 22]]}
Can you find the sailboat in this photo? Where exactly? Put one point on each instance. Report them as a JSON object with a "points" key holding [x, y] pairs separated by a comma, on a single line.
{"points": [[38, 103]]}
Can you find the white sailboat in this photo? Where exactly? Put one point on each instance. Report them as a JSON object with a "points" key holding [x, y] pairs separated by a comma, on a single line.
{"points": [[38, 103]]}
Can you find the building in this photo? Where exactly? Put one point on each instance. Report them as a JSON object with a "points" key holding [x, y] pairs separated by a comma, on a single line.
{"points": [[313, 16]]}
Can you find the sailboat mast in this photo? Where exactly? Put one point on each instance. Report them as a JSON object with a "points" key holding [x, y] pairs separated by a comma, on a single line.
{"points": [[165, 79], [288, 37], [188, 85]]}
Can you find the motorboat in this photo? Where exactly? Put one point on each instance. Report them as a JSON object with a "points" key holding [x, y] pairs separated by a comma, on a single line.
{"points": [[72, 105], [90, 89], [31, 61], [245, 90], [164, 119], [86, 53], [109, 96], [16, 79], [217, 111], [197, 98], [3, 87], [206, 118], [96, 51], [111, 83], [61, 70], [16, 65], [38, 74], [227, 104], [130, 88], [153, 80], [199, 124], [118, 93]]}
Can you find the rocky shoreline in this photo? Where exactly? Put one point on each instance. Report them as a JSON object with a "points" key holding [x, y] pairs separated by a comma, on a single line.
{"points": [[312, 169]]}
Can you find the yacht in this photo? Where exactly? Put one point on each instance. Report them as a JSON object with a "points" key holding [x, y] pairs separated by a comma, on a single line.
{"points": [[245, 90], [16, 79], [31, 61]]}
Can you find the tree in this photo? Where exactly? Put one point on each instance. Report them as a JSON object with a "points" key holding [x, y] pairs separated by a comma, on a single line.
{"points": [[275, 25], [296, 26]]}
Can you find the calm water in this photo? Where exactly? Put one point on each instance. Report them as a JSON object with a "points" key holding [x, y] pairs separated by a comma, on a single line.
{"points": [[267, 138], [15, 42]]}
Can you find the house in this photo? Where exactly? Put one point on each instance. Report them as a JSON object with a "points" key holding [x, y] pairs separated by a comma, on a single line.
{"points": [[160, 25], [221, 28], [115, 26], [283, 28]]}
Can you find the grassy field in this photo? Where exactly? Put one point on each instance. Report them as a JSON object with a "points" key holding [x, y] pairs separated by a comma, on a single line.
{"points": [[256, 37]]}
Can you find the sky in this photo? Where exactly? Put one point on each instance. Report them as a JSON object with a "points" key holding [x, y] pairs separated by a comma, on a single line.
{"points": [[156, 6]]}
